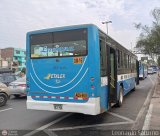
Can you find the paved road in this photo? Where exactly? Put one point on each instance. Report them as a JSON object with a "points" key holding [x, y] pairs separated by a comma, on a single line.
{"points": [[15, 116]]}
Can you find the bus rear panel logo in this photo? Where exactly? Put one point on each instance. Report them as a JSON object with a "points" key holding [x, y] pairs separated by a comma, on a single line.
{"points": [[54, 76]]}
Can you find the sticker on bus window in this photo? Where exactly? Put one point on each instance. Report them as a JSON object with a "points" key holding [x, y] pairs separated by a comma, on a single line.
{"points": [[78, 60]]}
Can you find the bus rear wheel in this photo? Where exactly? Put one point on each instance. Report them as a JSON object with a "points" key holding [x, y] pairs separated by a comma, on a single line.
{"points": [[120, 97], [17, 95]]}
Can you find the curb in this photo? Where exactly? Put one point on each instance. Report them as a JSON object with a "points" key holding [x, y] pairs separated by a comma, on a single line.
{"points": [[144, 108], [148, 118]]}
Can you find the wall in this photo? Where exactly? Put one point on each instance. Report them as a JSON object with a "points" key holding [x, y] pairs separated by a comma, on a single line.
{"points": [[7, 53]]}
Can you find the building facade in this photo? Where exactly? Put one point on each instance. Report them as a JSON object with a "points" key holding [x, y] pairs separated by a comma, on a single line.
{"points": [[15, 57]]}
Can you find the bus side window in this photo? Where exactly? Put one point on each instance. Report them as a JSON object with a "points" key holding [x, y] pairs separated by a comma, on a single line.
{"points": [[130, 62], [126, 60], [121, 60], [118, 58], [103, 58]]}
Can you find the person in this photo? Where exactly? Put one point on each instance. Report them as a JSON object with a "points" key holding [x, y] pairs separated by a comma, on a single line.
{"points": [[22, 74]]}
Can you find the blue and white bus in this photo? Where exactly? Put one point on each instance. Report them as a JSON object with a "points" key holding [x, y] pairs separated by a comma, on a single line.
{"points": [[77, 69], [143, 70]]}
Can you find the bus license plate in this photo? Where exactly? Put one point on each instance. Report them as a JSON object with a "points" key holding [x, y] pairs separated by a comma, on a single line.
{"points": [[58, 106]]}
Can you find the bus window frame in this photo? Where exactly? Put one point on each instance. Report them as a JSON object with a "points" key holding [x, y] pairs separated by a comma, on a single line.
{"points": [[104, 53], [87, 37]]}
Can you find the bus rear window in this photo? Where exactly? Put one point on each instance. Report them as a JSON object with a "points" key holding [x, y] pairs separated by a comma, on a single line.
{"points": [[59, 44]]}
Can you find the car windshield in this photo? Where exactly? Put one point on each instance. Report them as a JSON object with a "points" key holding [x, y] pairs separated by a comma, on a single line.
{"points": [[1, 79], [9, 78]]}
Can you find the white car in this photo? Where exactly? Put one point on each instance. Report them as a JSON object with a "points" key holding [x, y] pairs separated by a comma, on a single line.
{"points": [[150, 70], [18, 87]]}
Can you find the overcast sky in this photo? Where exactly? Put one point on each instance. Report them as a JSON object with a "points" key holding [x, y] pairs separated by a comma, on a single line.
{"points": [[17, 17]]}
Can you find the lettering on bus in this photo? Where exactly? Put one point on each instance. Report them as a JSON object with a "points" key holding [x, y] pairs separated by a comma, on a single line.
{"points": [[57, 49], [54, 76]]}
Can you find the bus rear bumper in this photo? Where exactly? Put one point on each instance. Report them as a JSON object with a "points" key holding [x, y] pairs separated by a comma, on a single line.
{"points": [[91, 107]]}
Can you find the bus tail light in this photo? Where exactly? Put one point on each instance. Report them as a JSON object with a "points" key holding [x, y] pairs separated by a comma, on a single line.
{"points": [[92, 79], [92, 87]]}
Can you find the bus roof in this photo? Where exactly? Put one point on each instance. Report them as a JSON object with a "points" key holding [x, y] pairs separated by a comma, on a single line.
{"points": [[78, 27], [61, 28]]}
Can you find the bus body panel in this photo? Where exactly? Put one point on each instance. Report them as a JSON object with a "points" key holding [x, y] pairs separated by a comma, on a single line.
{"points": [[142, 70], [127, 83], [104, 98], [46, 85], [56, 80]]}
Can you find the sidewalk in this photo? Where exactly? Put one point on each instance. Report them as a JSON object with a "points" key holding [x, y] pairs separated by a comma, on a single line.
{"points": [[155, 104]]}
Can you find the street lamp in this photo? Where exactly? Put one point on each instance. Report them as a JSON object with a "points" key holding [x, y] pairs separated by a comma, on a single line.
{"points": [[107, 22]]}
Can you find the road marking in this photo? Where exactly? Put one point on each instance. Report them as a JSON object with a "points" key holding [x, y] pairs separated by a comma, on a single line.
{"points": [[144, 107], [128, 121], [122, 117], [49, 133], [146, 125], [139, 87], [47, 125], [148, 118], [151, 80], [89, 126], [6, 109]]}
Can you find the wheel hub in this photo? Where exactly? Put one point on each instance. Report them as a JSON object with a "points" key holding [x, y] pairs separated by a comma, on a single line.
{"points": [[1, 99]]}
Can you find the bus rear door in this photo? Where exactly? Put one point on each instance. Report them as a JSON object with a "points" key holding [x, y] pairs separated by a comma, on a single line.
{"points": [[112, 72]]}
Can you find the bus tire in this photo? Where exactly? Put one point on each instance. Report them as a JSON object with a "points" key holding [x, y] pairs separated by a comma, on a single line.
{"points": [[120, 97], [17, 95]]}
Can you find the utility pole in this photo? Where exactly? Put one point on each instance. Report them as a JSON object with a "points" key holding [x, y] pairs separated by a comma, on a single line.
{"points": [[107, 22], [131, 46]]}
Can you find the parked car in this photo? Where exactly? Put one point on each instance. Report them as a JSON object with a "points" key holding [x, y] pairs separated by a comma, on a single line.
{"points": [[4, 94], [154, 70], [150, 70], [5, 70], [18, 87], [7, 78]]}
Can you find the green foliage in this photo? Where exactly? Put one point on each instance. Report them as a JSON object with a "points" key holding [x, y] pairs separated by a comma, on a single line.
{"points": [[23, 70], [149, 39], [158, 61]]}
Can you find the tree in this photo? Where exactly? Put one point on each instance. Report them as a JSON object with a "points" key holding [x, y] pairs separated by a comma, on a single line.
{"points": [[149, 39], [23, 70], [158, 61]]}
